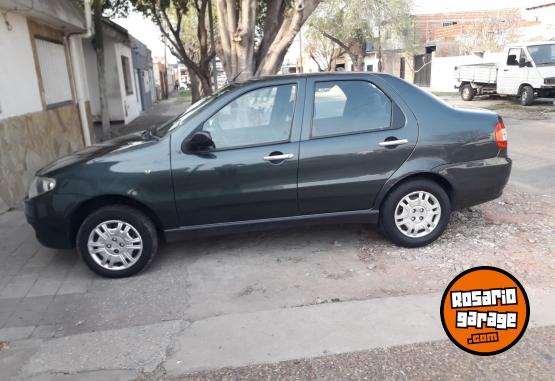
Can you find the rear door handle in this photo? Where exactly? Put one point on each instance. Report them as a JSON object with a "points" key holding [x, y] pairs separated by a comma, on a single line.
{"points": [[389, 143], [284, 156]]}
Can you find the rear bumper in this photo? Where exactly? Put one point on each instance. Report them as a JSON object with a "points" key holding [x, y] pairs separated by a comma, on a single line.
{"points": [[475, 182], [50, 230]]}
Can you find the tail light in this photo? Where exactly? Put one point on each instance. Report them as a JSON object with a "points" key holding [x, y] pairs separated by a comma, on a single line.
{"points": [[500, 134]]}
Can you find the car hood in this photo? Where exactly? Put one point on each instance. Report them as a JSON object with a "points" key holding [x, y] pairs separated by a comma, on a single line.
{"points": [[546, 71], [93, 152]]}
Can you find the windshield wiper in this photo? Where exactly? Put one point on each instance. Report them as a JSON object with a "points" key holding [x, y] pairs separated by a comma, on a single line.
{"points": [[545, 63]]}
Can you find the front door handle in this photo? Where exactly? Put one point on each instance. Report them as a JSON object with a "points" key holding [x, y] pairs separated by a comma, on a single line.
{"points": [[390, 143], [283, 156]]}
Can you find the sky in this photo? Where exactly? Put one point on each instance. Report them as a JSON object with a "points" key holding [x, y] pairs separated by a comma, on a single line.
{"points": [[147, 32]]}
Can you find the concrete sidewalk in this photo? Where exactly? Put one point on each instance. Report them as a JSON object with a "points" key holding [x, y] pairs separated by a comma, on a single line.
{"points": [[160, 112], [235, 340], [531, 359], [295, 333]]}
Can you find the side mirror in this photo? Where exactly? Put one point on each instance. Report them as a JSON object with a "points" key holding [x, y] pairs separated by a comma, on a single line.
{"points": [[200, 141]]}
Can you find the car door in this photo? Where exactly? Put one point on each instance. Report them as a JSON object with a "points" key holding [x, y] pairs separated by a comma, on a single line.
{"points": [[512, 75], [355, 136], [252, 172]]}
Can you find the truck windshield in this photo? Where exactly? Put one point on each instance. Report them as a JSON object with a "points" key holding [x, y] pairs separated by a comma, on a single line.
{"points": [[543, 55]]}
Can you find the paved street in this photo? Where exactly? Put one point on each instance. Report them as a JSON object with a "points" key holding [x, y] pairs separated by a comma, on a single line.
{"points": [[313, 303]]}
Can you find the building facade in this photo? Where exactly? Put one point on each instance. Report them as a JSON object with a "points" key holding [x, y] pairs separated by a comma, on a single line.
{"points": [[44, 107], [144, 77], [124, 101]]}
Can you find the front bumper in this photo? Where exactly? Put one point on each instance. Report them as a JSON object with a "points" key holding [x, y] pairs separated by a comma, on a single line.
{"points": [[476, 182], [50, 229]]}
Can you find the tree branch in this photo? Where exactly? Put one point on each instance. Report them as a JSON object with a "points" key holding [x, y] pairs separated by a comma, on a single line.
{"points": [[335, 40]]}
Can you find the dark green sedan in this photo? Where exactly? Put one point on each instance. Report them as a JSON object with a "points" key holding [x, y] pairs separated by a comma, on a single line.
{"points": [[274, 152]]}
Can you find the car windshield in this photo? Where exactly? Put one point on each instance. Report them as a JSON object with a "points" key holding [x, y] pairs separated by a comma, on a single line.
{"points": [[543, 55], [191, 110]]}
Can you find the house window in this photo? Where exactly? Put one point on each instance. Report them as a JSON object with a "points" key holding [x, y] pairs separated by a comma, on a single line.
{"points": [[54, 72], [126, 75]]}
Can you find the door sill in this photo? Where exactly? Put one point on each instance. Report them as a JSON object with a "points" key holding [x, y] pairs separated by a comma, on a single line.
{"points": [[368, 216]]}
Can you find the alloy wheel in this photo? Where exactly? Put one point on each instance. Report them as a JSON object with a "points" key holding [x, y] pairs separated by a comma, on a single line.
{"points": [[115, 245], [417, 214]]}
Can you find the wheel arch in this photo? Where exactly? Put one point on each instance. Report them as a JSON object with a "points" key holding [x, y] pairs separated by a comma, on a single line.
{"points": [[522, 86], [435, 177], [87, 207]]}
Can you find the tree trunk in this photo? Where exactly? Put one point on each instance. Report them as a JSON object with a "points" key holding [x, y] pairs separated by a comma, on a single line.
{"points": [[358, 62], [237, 30], [195, 87], [200, 85], [99, 48]]}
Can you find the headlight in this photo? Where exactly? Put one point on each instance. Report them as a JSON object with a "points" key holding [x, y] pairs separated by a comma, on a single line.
{"points": [[41, 185]]}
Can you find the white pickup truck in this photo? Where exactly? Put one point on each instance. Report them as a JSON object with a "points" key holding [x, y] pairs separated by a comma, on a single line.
{"points": [[527, 71]]}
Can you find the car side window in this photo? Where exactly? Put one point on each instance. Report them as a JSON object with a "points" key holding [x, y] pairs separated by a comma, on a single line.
{"points": [[261, 116], [343, 107], [514, 56]]}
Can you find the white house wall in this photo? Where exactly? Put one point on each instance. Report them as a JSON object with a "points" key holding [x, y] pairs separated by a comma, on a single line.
{"points": [[19, 91], [115, 107], [131, 104], [113, 86]]}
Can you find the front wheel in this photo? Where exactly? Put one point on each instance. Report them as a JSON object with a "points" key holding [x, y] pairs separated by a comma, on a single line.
{"points": [[117, 241], [415, 213]]}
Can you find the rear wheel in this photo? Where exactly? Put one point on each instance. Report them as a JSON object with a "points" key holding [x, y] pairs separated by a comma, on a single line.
{"points": [[467, 92], [117, 241], [526, 95], [415, 213]]}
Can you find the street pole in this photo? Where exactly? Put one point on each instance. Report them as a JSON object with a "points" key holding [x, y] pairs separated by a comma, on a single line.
{"points": [[211, 21], [167, 95], [301, 49]]}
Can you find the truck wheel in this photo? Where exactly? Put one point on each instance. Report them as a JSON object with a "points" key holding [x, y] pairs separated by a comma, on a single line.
{"points": [[467, 93], [526, 95]]}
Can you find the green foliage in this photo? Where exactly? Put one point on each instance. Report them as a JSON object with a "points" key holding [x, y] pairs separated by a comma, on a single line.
{"points": [[185, 96], [114, 8], [354, 22]]}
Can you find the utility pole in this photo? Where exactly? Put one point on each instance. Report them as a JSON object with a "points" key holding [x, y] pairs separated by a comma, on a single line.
{"points": [[214, 68], [166, 72], [301, 49]]}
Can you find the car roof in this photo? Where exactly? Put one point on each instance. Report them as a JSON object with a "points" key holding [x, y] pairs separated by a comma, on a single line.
{"points": [[312, 75]]}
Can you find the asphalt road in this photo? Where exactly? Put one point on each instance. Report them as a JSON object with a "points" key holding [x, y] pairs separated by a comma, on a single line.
{"points": [[532, 148], [531, 133]]}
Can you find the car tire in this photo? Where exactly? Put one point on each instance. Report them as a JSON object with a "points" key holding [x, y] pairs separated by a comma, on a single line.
{"points": [[397, 226], [467, 92], [526, 95], [117, 241]]}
